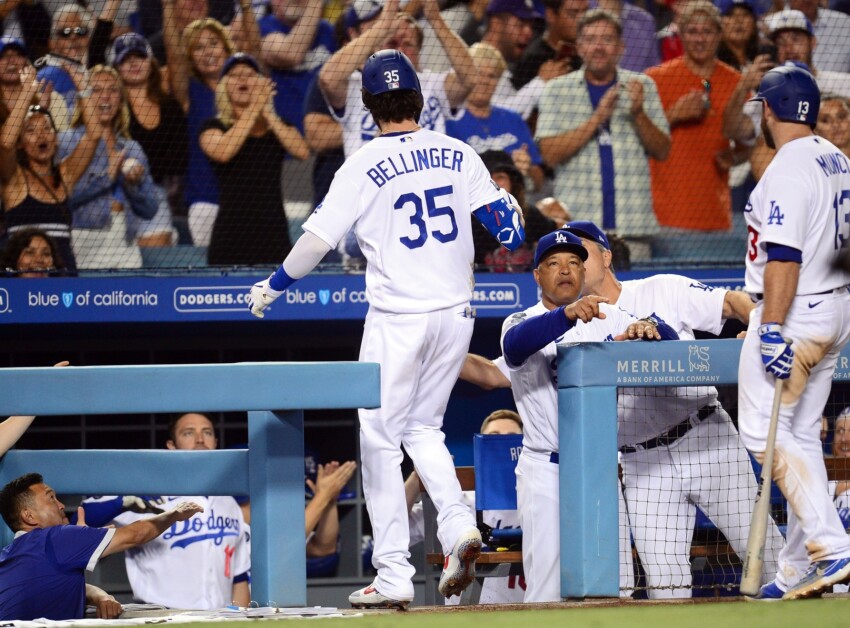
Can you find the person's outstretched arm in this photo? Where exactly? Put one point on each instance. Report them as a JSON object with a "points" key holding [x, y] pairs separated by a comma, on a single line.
{"points": [[14, 427]]}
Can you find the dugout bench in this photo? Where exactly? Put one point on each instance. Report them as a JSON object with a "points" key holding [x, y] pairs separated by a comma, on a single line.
{"points": [[271, 471]]}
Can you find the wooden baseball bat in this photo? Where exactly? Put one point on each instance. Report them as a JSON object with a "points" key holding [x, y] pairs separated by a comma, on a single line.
{"points": [[754, 560]]}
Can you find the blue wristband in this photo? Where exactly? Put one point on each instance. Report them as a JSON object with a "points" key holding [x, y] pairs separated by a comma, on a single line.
{"points": [[279, 280]]}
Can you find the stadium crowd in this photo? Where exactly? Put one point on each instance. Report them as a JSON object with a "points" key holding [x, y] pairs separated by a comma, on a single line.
{"points": [[187, 119], [204, 123]]}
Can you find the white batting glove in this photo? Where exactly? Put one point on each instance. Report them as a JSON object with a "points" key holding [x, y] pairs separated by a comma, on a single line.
{"points": [[261, 296]]}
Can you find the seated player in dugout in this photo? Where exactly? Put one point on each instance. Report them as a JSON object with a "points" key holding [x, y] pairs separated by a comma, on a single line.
{"points": [[216, 546]]}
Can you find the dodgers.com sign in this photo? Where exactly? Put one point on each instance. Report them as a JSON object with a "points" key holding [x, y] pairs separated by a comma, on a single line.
{"points": [[222, 298]]}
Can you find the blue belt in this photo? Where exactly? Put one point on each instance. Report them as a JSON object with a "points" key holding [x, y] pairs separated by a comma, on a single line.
{"points": [[670, 436], [554, 458]]}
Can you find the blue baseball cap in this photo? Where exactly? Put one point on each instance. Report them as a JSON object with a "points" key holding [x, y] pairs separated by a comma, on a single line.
{"points": [[589, 231], [560, 239], [726, 6], [362, 11], [240, 57], [130, 44], [12, 43], [523, 9]]}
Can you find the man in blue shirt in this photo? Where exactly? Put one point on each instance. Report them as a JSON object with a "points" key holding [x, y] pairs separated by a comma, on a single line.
{"points": [[296, 43], [42, 572]]}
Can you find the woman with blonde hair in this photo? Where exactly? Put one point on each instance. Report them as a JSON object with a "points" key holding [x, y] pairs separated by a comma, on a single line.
{"points": [[247, 144], [36, 188], [117, 180], [157, 123], [195, 61]]}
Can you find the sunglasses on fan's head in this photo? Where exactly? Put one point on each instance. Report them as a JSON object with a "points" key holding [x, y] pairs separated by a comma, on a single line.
{"points": [[68, 32]]}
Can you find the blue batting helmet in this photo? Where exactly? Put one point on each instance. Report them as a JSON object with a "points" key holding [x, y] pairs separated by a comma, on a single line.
{"points": [[389, 71], [792, 93]]}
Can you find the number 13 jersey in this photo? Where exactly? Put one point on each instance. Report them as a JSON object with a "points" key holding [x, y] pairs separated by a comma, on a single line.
{"points": [[410, 198], [802, 202]]}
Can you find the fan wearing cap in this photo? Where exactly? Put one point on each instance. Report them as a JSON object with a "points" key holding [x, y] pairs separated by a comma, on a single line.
{"points": [[13, 59], [383, 27], [794, 37], [798, 222], [553, 52], [531, 62], [36, 186], [296, 44], [247, 143], [830, 28], [738, 21], [157, 123], [529, 345]]}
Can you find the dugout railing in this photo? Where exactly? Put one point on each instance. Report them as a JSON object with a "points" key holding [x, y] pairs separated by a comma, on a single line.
{"points": [[271, 470], [588, 377]]}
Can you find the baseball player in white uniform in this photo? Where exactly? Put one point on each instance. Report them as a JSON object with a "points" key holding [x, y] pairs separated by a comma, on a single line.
{"points": [[202, 563], [409, 195], [529, 345], [678, 447], [798, 221], [340, 78]]}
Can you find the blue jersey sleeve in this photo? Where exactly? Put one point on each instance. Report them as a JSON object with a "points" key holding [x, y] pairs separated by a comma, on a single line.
{"points": [[531, 335], [503, 222], [73, 546]]}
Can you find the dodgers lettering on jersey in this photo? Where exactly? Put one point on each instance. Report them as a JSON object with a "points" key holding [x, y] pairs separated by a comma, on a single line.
{"points": [[802, 201], [358, 126], [415, 230], [413, 161], [685, 305], [195, 562], [534, 383]]}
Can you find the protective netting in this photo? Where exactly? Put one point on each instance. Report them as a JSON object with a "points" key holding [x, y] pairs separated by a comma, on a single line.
{"points": [[206, 159], [689, 488]]}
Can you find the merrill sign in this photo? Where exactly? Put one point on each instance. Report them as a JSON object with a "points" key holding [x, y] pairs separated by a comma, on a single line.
{"points": [[669, 371]]}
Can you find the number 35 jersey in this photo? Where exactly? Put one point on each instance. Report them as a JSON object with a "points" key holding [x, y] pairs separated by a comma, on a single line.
{"points": [[803, 202], [409, 197]]}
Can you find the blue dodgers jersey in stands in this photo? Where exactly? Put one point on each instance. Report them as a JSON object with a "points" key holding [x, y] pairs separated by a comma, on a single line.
{"points": [[501, 130], [42, 572]]}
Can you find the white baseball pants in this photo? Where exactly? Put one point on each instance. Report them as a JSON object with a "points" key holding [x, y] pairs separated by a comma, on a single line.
{"points": [[708, 467], [538, 486], [818, 332], [420, 356]]}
